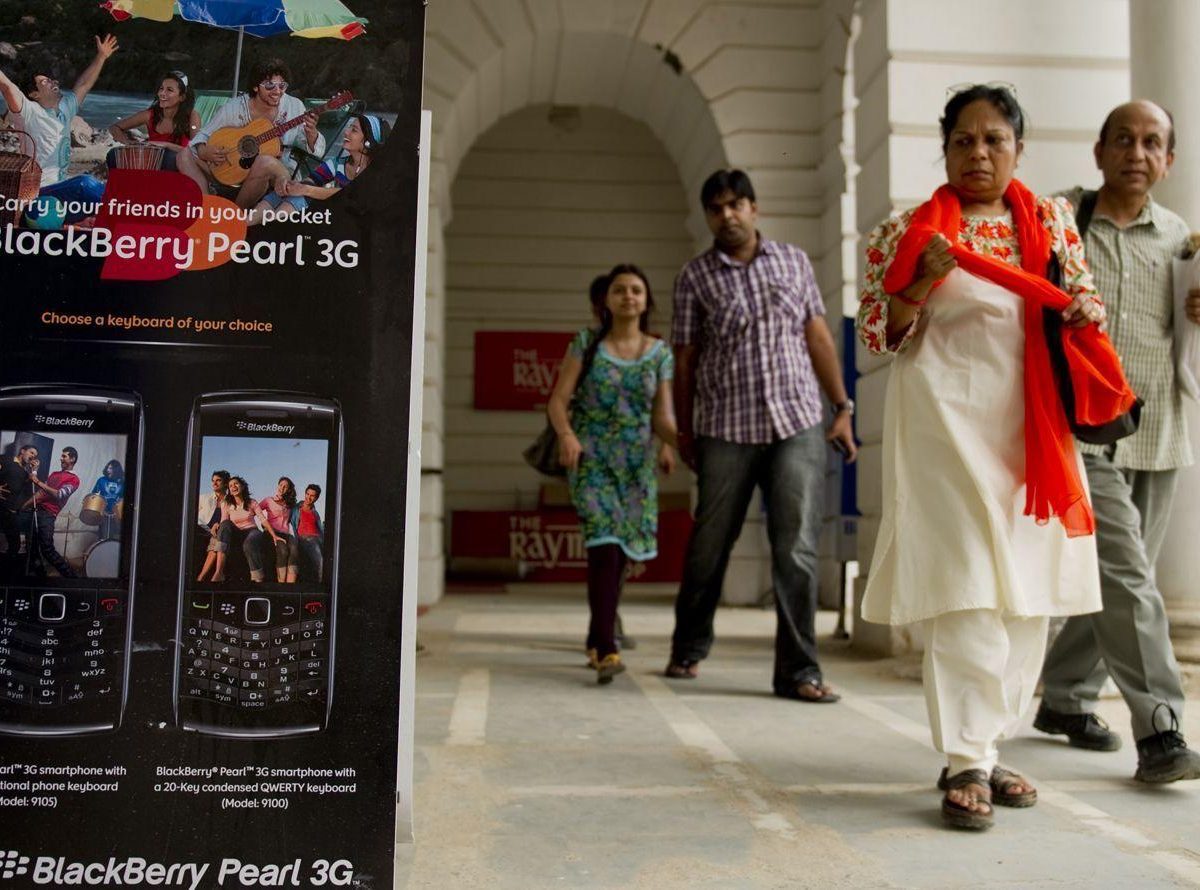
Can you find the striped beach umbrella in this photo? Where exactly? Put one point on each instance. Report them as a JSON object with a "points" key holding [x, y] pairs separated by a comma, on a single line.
{"points": [[260, 18]]}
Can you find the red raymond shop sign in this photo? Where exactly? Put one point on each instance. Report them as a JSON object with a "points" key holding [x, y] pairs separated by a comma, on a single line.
{"points": [[516, 370], [549, 542]]}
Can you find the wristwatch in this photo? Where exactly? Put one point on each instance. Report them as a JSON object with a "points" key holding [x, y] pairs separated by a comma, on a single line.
{"points": [[846, 407]]}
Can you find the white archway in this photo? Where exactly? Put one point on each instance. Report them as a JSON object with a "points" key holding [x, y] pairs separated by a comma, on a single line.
{"points": [[754, 84]]}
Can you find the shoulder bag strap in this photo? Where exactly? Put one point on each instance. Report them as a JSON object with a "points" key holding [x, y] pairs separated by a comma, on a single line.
{"points": [[589, 356], [1087, 206]]}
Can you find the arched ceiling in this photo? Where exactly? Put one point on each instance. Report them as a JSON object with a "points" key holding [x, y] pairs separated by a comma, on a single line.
{"points": [[683, 67]]}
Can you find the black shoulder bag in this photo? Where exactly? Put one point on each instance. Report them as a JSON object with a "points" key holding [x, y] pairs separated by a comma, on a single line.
{"points": [[1114, 430], [542, 455]]}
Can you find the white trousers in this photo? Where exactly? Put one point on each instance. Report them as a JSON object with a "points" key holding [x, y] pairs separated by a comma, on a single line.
{"points": [[981, 668]]}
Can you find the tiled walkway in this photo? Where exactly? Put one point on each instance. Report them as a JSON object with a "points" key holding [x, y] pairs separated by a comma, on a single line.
{"points": [[528, 775]]}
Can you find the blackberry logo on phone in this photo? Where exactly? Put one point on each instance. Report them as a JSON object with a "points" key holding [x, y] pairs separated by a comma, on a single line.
{"points": [[258, 566], [70, 459]]}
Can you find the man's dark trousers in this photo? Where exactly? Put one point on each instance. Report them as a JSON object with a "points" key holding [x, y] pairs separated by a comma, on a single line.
{"points": [[791, 474]]}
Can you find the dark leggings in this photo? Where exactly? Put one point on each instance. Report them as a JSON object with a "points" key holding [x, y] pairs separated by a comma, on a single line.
{"points": [[606, 573]]}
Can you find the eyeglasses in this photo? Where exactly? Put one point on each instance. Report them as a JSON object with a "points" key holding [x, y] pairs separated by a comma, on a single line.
{"points": [[272, 85], [953, 91]]}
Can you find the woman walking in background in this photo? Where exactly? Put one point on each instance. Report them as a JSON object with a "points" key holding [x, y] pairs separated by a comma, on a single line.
{"points": [[620, 380], [986, 525]]}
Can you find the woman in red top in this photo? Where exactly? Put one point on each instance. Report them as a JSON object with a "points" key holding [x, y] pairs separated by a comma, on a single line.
{"points": [[170, 122]]}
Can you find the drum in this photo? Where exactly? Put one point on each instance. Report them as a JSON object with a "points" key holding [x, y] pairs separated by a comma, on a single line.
{"points": [[103, 560], [73, 540], [92, 509], [138, 157], [119, 511]]}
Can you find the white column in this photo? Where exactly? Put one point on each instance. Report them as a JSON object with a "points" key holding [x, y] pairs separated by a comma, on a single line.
{"points": [[1165, 68], [431, 578]]}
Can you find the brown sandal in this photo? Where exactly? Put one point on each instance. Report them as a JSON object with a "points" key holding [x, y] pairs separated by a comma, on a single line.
{"points": [[682, 670], [812, 691], [958, 816], [1001, 780]]}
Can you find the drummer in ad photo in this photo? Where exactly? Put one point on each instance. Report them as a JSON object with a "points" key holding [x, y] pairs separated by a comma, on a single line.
{"points": [[111, 487]]}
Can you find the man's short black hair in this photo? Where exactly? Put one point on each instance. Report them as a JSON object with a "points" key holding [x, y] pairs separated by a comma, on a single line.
{"points": [[735, 181], [223, 475], [265, 70], [74, 455], [1170, 120], [313, 487]]}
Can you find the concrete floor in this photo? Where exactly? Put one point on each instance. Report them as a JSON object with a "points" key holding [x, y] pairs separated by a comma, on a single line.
{"points": [[529, 775]]}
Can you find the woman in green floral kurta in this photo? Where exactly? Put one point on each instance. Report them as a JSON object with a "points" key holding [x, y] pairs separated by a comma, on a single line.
{"points": [[606, 442]]}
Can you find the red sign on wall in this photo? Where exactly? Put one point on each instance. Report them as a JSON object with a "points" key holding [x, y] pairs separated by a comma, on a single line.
{"points": [[550, 543], [516, 370]]}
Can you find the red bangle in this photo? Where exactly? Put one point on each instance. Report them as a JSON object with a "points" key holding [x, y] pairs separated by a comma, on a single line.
{"points": [[904, 299]]}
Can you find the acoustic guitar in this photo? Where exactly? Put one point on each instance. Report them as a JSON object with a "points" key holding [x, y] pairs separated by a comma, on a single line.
{"points": [[259, 137]]}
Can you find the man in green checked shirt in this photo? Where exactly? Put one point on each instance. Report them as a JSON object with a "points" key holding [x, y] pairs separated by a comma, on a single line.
{"points": [[1130, 242]]}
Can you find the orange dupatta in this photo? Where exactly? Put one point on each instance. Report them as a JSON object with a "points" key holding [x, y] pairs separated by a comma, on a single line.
{"points": [[1052, 483]]}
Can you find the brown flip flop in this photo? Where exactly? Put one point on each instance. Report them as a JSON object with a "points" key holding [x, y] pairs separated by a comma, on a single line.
{"points": [[682, 670], [1002, 779], [958, 816]]}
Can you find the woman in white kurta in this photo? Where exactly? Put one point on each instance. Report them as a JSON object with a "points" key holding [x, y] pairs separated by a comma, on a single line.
{"points": [[955, 550]]}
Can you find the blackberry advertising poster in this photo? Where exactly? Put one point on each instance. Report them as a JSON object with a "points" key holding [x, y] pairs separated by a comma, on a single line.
{"points": [[206, 359]]}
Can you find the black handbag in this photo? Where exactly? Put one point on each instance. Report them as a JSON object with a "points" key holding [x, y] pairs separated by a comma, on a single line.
{"points": [[1052, 323], [542, 454]]}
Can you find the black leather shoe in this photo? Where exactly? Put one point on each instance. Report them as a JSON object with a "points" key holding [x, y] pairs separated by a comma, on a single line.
{"points": [[1165, 756], [1082, 730]]}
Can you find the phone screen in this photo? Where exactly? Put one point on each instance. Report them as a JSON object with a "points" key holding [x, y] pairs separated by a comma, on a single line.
{"points": [[68, 484], [259, 565], [66, 492]]}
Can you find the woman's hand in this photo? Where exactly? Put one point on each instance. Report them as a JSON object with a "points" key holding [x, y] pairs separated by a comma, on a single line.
{"points": [[936, 261], [666, 459], [569, 451], [1083, 311]]}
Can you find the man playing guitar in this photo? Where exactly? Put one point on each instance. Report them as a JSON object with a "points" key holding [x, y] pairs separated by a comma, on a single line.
{"points": [[266, 99]]}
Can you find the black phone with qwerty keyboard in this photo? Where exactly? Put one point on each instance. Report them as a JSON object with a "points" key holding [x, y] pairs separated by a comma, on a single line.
{"points": [[70, 459], [258, 567]]}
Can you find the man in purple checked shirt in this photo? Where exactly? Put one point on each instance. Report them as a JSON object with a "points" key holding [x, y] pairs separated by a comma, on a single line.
{"points": [[752, 354]]}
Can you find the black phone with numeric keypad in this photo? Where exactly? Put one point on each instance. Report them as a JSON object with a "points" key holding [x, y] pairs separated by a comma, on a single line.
{"points": [[258, 565], [70, 459]]}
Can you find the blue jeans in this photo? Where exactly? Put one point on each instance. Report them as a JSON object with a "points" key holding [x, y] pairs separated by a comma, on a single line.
{"points": [[85, 189], [229, 536], [310, 546], [791, 474]]}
